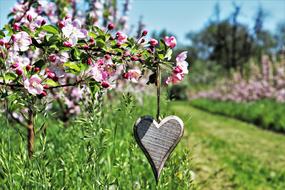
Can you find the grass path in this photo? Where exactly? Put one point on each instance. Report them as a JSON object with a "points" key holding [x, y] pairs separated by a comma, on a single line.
{"points": [[230, 154]]}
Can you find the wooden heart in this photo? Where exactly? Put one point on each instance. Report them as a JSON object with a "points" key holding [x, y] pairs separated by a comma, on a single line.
{"points": [[158, 140]]}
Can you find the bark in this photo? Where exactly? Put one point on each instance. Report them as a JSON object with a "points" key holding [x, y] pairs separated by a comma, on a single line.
{"points": [[31, 140]]}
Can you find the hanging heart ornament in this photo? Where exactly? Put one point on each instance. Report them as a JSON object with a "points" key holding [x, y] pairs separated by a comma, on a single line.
{"points": [[158, 140]]}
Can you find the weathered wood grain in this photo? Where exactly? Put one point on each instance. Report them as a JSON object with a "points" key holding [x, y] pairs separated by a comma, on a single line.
{"points": [[158, 140]]}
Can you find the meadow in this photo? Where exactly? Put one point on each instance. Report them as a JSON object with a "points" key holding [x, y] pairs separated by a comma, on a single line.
{"points": [[93, 152], [216, 152]]}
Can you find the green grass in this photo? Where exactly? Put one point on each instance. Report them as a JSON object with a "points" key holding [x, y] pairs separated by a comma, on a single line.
{"points": [[216, 152], [267, 114], [96, 151], [230, 154]]}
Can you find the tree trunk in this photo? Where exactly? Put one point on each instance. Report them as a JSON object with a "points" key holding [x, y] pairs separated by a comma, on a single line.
{"points": [[31, 140]]}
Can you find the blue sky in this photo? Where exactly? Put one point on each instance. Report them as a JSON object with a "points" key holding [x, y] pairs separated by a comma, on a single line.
{"points": [[182, 16]]}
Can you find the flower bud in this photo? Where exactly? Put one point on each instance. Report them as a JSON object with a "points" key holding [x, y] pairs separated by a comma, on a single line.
{"points": [[89, 61], [105, 84], [118, 45], [44, 93], [37, 69], [30, 18], [13, 37], [46, 86], [15, 65], [43, 22], [111, 26], [16, 27], [61, 24], [19, 72], [91, 40], [52, 58], [85, 47], [134, 58], [7, 45], [107, 56], [153, 42], [51, 75], [67, 44], [125, 75], [28, 67], [142, 41], [144, 33], [2, 42]]}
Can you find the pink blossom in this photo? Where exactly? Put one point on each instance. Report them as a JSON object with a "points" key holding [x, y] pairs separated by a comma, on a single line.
{"points": [[22, 41], [179, 70], [153, 42], [174, 78], [133, 75], [180, 61], [17, 61], [72, 30], [31, 14], [33, 85], [170, 41], [76, 93], [73, 109], [3, 41], [121, 38], [96, 73]]}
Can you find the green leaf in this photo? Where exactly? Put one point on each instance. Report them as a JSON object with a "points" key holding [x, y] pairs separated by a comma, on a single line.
{"points": [[92, 35], [168, 54], [72, 65], [26, 29], [50, 29], [100, 43], [94, 87], [51, 82], [53, 40], [10, 76], [75, 54], [40, 63], [99, 30], [160, 56], [2, 34], [9, 29]]}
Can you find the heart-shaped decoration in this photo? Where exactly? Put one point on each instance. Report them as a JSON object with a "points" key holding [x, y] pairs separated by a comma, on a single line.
{"points": [[158, 140]]}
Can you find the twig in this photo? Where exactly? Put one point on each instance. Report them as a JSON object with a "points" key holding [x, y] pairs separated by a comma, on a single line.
{"points": [[51, 87], [158, 92]]}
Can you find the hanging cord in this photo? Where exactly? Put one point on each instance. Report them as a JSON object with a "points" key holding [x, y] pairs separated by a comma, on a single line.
{"points": [[158, 79]]}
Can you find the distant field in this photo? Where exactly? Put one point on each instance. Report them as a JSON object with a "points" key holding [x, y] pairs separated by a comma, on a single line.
{"points": [[267, 114]]}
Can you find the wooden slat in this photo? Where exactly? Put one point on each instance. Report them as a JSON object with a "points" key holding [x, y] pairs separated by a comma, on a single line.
{"points": [[158, 140]]}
